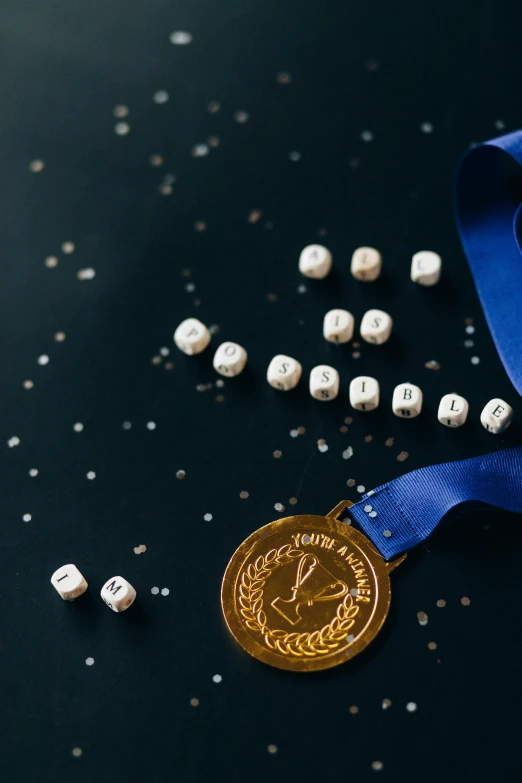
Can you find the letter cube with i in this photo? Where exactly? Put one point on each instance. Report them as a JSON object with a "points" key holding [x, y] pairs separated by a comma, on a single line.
{"points": [[496, 416], [338, 326], [425, 267], [407, 400], [324, 382], [366, 264], [364, 393], [118, 594], [230, 359], [69, 582], [376, 327], [283, 372], [191, 336], [315, 261], [453, 410]]}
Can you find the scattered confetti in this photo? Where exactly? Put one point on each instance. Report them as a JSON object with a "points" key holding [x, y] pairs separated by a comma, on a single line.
{"points": [[293, 501], [138, 550], [126, 425], [347, 453], [475, 360], [165, 591], [243, 494], [33, 472], [432, 365], [427, 127], [403, 456], [353, 710], [59, 337], [156, 160], [441, 603], [27, 517], [36, 166], [411, 706], [279, 507], [217, 678], [241, 116], [283, 77], [151, 425], [154, 590], [386, 533], [295, 156], [386, 703], [160, 96], [28, 384], [122, 128], [86, 274], [120, 111], [465, 601], [194, 702], [271, 749], [180, 38], [14, 441], [377, 766], [180, 474], [351, 482], [51, 262], [91, 475], [422, 617], [361, 488], [43, 360], [89, 661], [323, 447], [200, 150], [432, 645], [278, 454], [213, 107], [68, 248], [76, 752], [207, 517]]}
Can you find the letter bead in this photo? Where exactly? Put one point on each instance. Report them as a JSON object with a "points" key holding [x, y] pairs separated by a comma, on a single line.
{"points": [[283, 372], [366, 264], [324, 382], [230, 359], [496, 416], [118, 594], [453, 410], [364, 393], [376, 327], [425, 267], [315, 261], [69, 582], [407, 400], [191, 336], [338, 326]]}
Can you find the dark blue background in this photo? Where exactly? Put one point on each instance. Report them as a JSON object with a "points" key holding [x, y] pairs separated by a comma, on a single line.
{"points": [[64, 66]]}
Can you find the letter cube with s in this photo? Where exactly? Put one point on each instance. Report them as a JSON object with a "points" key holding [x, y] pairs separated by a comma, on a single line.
{"points": [[118, 594]]}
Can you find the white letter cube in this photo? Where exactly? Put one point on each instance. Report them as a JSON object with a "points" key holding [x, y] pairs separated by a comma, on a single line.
{"points": [[376, 326], [425, 267], [366, 264], [230, 359], [453, 410], [191, 336], [338, 326], [364, 393], [407, 400], [283, 372], [496, 416], [324, 382], [69, 582], [315, 261], [118, 594]]}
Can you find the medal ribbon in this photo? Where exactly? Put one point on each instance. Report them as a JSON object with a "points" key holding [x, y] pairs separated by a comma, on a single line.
{"points": [[489, 217]]}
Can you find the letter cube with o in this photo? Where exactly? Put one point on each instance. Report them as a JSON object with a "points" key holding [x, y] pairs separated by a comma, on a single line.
{"points": [[230, 359], [118, 594], [283, 372], [69, 582], [324, 382], [407, 400], [496, 416]]}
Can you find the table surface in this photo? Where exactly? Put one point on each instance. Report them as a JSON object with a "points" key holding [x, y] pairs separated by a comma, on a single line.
{"points": [[281, 124]]}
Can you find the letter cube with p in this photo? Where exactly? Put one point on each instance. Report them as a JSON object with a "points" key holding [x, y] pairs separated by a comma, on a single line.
{"points": [[118, 594]]}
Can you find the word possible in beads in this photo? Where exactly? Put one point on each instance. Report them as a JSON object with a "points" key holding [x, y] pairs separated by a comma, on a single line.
{"points": [[117, 593]]}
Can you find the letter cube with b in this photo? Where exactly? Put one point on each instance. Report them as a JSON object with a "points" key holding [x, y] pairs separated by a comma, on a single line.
{"points": [[453, 410], [376, 327], [425, 267], [496, 416], [364, 393], [69, 582], [283, 372], [315, 261], [230, 359], [366, 264], [338, 326], [324, 382], [118, 594], [407, 400], [191, 336]]}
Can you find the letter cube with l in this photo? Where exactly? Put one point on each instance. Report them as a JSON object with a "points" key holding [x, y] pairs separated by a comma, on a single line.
{"points": [[453, 410], [425, 267], [376, 326], [191, 336], [496, 416], [69, 582], [315, 261], [118, 594], [366, 264], [364, 393], [283, 372], [407, 400], [324, 382]]}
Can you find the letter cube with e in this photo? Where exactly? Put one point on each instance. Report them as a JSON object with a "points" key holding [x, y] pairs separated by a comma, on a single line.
{"points": [[338, 326], [191, 336], [453, 410], [376, 326], [324, 382], [425, 267], [118, 594], [366, 264], [407, 400], [315, 261], [230, 359], [496, 416], [364, 393], [69, 582], [283, 372]]}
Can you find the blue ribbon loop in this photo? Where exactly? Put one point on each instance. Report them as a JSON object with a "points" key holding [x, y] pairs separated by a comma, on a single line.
{"points": [[405, 511]]}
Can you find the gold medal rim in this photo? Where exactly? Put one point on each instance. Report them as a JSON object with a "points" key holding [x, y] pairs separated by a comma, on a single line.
{"points": [[255, 649]]}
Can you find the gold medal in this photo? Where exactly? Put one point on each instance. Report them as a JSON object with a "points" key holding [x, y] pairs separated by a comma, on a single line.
{"points": [[306, 592]]}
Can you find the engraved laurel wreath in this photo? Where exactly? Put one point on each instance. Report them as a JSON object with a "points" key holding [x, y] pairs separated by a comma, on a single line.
{"points": [[310, 644]]}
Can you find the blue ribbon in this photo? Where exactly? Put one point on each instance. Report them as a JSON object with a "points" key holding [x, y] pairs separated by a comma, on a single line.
{"points": [[402, 513]]}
